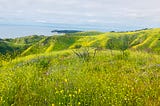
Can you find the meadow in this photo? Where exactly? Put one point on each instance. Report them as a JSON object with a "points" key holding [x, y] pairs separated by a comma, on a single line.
{"points": [[121, 74]]}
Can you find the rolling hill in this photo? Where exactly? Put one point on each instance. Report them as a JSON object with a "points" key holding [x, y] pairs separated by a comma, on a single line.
{"points": [[148, 40]]}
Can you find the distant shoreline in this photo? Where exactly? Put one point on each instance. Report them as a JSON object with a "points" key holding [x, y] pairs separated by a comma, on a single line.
{"points": [[16, 30]]}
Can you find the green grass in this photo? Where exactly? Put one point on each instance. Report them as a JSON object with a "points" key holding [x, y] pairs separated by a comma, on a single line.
{"points": [[61, 78], [58, 70], [147, 40]]}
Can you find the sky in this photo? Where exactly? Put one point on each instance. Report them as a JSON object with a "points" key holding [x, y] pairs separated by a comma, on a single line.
{"points": [[138, 13]]}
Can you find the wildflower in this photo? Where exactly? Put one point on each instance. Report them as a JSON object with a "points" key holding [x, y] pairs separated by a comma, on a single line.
{"points": [[70, 95], [79, 90], [65, 80], [53, 105], [75, 92], [79, 103], [61, 91], [1, 99], [57, 92]]}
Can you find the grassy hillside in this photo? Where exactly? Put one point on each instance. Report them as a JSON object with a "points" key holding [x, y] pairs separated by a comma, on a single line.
{"points": [[148, 40], [18, 45], [62, 78], [81, 69], [142, 40]]}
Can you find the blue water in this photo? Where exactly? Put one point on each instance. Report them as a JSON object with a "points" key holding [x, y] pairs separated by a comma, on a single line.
{"points": [[13, 31]]}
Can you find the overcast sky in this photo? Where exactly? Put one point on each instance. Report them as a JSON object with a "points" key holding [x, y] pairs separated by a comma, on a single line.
{"points": [[107, 12]]}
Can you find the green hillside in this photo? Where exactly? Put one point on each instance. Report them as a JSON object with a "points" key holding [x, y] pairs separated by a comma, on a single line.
{"points": [[63, 78], [81, 69], [147, 40]]}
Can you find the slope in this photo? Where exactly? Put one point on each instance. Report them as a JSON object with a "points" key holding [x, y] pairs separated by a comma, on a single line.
{"points": [[147, 40]]}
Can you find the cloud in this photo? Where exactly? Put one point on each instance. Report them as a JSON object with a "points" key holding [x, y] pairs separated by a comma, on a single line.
{"points": [[81, 11]]}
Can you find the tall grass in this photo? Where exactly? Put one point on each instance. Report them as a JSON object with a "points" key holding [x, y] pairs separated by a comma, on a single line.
{"points": [[62, 79]]}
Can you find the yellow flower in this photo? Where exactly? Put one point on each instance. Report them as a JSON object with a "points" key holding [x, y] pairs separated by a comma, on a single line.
{"points": [[57, 92], [75, 92], [79, 103], [1, 99], [53, 105], [61, 91], [65, 80], [79, 90]]}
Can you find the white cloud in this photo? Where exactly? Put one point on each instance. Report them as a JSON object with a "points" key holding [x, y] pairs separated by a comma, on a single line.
{"points": [[93, 20], [81, 11]]}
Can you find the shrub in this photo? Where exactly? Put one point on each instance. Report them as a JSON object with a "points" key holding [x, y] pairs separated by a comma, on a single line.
{"points": [[84, 54], [77, 46]]}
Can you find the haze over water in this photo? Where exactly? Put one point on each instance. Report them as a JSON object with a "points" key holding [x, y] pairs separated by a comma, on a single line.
{"points": [[13, 31]]}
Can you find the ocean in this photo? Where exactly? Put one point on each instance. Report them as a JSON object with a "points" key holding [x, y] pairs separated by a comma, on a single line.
{"points": [[14, 31]]}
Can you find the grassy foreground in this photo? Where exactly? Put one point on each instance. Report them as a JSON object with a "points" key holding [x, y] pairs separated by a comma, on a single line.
{"points": [[63, 79]]}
